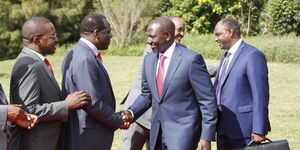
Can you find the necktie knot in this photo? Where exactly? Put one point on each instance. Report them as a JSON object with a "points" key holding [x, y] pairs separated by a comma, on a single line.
{"points": [[227, 54], [48, 65], [99, 57]]}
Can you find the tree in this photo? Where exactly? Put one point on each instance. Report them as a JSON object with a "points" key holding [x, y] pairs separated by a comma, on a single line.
{"points": [[127, 17]]}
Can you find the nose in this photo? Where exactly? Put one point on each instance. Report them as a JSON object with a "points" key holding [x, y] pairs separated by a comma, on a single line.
{"points": [[110, 35], [56, 39], [149, 41]]}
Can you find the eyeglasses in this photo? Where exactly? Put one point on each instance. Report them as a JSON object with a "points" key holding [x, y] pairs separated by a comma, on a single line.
{"points": [[49, 36]]}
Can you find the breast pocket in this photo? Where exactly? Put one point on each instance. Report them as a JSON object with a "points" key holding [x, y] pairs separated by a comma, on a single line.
{"points": [[245, 108]]}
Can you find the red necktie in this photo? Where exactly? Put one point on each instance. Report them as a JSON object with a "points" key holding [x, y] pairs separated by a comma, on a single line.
{"points": [[160, 75], [48, 65], [99, 57]]}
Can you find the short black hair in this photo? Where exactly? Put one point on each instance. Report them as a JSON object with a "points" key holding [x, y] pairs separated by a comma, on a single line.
{"points": [[34, 27], [91, 22], [229, 23]]}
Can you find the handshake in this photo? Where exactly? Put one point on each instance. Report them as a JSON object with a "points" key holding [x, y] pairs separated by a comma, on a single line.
{"points": [[127, 119]]}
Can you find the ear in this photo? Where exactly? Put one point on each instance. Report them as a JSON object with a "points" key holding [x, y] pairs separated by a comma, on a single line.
{"points": [[96, 32], [168, 36], [36, 41], [231, 33]]}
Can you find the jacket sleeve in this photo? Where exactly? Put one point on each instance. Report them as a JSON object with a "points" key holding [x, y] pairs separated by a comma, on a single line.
{"points": [[204, 91], [26, 91], [257, 73], [86, 78], [3, 115]]}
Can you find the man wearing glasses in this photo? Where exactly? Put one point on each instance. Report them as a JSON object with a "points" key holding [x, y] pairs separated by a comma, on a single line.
{"points": [[33, 85]]}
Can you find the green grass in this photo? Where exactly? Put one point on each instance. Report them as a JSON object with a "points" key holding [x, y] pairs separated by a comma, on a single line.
{"points": [[282, 49], [284, 92]]}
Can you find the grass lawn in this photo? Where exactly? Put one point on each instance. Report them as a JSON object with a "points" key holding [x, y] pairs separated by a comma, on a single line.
{"points": [[284, 83]]}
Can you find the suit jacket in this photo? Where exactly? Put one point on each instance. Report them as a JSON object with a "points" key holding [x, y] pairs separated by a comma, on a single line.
{"points": [[135, 91], [3, 115], [186, 110], [245, 94], [93, 126], [34, 86]]}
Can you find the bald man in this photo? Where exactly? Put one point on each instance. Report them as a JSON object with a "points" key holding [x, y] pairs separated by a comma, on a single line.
{"points": [[175, 82], [33, 85]]}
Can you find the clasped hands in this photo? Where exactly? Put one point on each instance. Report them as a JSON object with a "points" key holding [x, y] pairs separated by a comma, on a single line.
{"points": [[20, 117], [127, 119]]}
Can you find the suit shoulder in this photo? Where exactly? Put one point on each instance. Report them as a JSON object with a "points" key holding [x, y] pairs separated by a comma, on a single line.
{"points": [[189, 53], [253, 50]]}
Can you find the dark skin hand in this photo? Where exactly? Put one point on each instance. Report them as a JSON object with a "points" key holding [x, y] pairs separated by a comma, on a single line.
{"points": [[20, 117], [77, 99], [127, 119], [257, 138]]}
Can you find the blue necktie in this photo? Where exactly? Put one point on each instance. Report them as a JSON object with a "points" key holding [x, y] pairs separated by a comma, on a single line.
{"points": [[221, 78]]}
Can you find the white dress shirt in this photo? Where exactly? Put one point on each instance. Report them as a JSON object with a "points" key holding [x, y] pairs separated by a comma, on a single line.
{"points": [[38, 54], [232, 51], [168, 53]]}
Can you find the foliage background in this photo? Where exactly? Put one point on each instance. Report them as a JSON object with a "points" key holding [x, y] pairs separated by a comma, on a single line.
{"points": [[130, 17]]}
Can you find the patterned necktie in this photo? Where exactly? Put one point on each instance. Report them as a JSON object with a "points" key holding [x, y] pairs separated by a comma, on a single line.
{"points": [[99, 57], [160, 75], [221, 78], [48, 65]]}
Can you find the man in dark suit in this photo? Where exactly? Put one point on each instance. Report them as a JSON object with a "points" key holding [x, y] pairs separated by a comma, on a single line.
{"points": [[91, 127], [242, 89], [175, 82], [12, 113], [33, 85]]}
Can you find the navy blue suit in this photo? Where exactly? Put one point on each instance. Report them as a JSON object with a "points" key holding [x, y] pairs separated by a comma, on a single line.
{"points": [[186, 110], [93, 126], [244, 95]]}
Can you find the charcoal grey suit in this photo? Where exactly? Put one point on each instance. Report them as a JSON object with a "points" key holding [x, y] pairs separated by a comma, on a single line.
{"points": [[34, 86]]}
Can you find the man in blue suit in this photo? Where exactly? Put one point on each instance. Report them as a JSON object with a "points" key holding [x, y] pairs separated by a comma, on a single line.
{"points": [[242, 90], [91, 127], [175, 82]]}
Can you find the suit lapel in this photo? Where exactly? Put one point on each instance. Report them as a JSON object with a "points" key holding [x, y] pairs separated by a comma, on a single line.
{"points": [[174, 63], [43, 66], [102, 68], [235, 57], [153, 69]]}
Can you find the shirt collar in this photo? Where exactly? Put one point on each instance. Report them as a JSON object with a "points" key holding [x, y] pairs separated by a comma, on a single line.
{"points": [[38, 54], [91, 45], [235, 47], [168, 53]]}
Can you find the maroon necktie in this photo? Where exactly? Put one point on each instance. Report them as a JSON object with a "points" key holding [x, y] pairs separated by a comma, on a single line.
{"points": [[99, 57], [160, 75], [48, 65]]}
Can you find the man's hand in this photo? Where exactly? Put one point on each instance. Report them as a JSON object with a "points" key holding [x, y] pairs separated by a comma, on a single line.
{"points": [[20, 117], [204, 145], [127, 119], [257, 138], [77, 99], [31, 121]]}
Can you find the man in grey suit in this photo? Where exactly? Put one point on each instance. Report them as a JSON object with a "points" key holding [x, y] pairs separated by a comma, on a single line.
{"points": [[135, 137], [175, 82], [12, 113], [33, 85], [91, 127]]}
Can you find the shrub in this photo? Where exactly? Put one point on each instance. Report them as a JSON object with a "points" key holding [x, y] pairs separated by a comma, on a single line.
{"points": [[286, 16]]}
